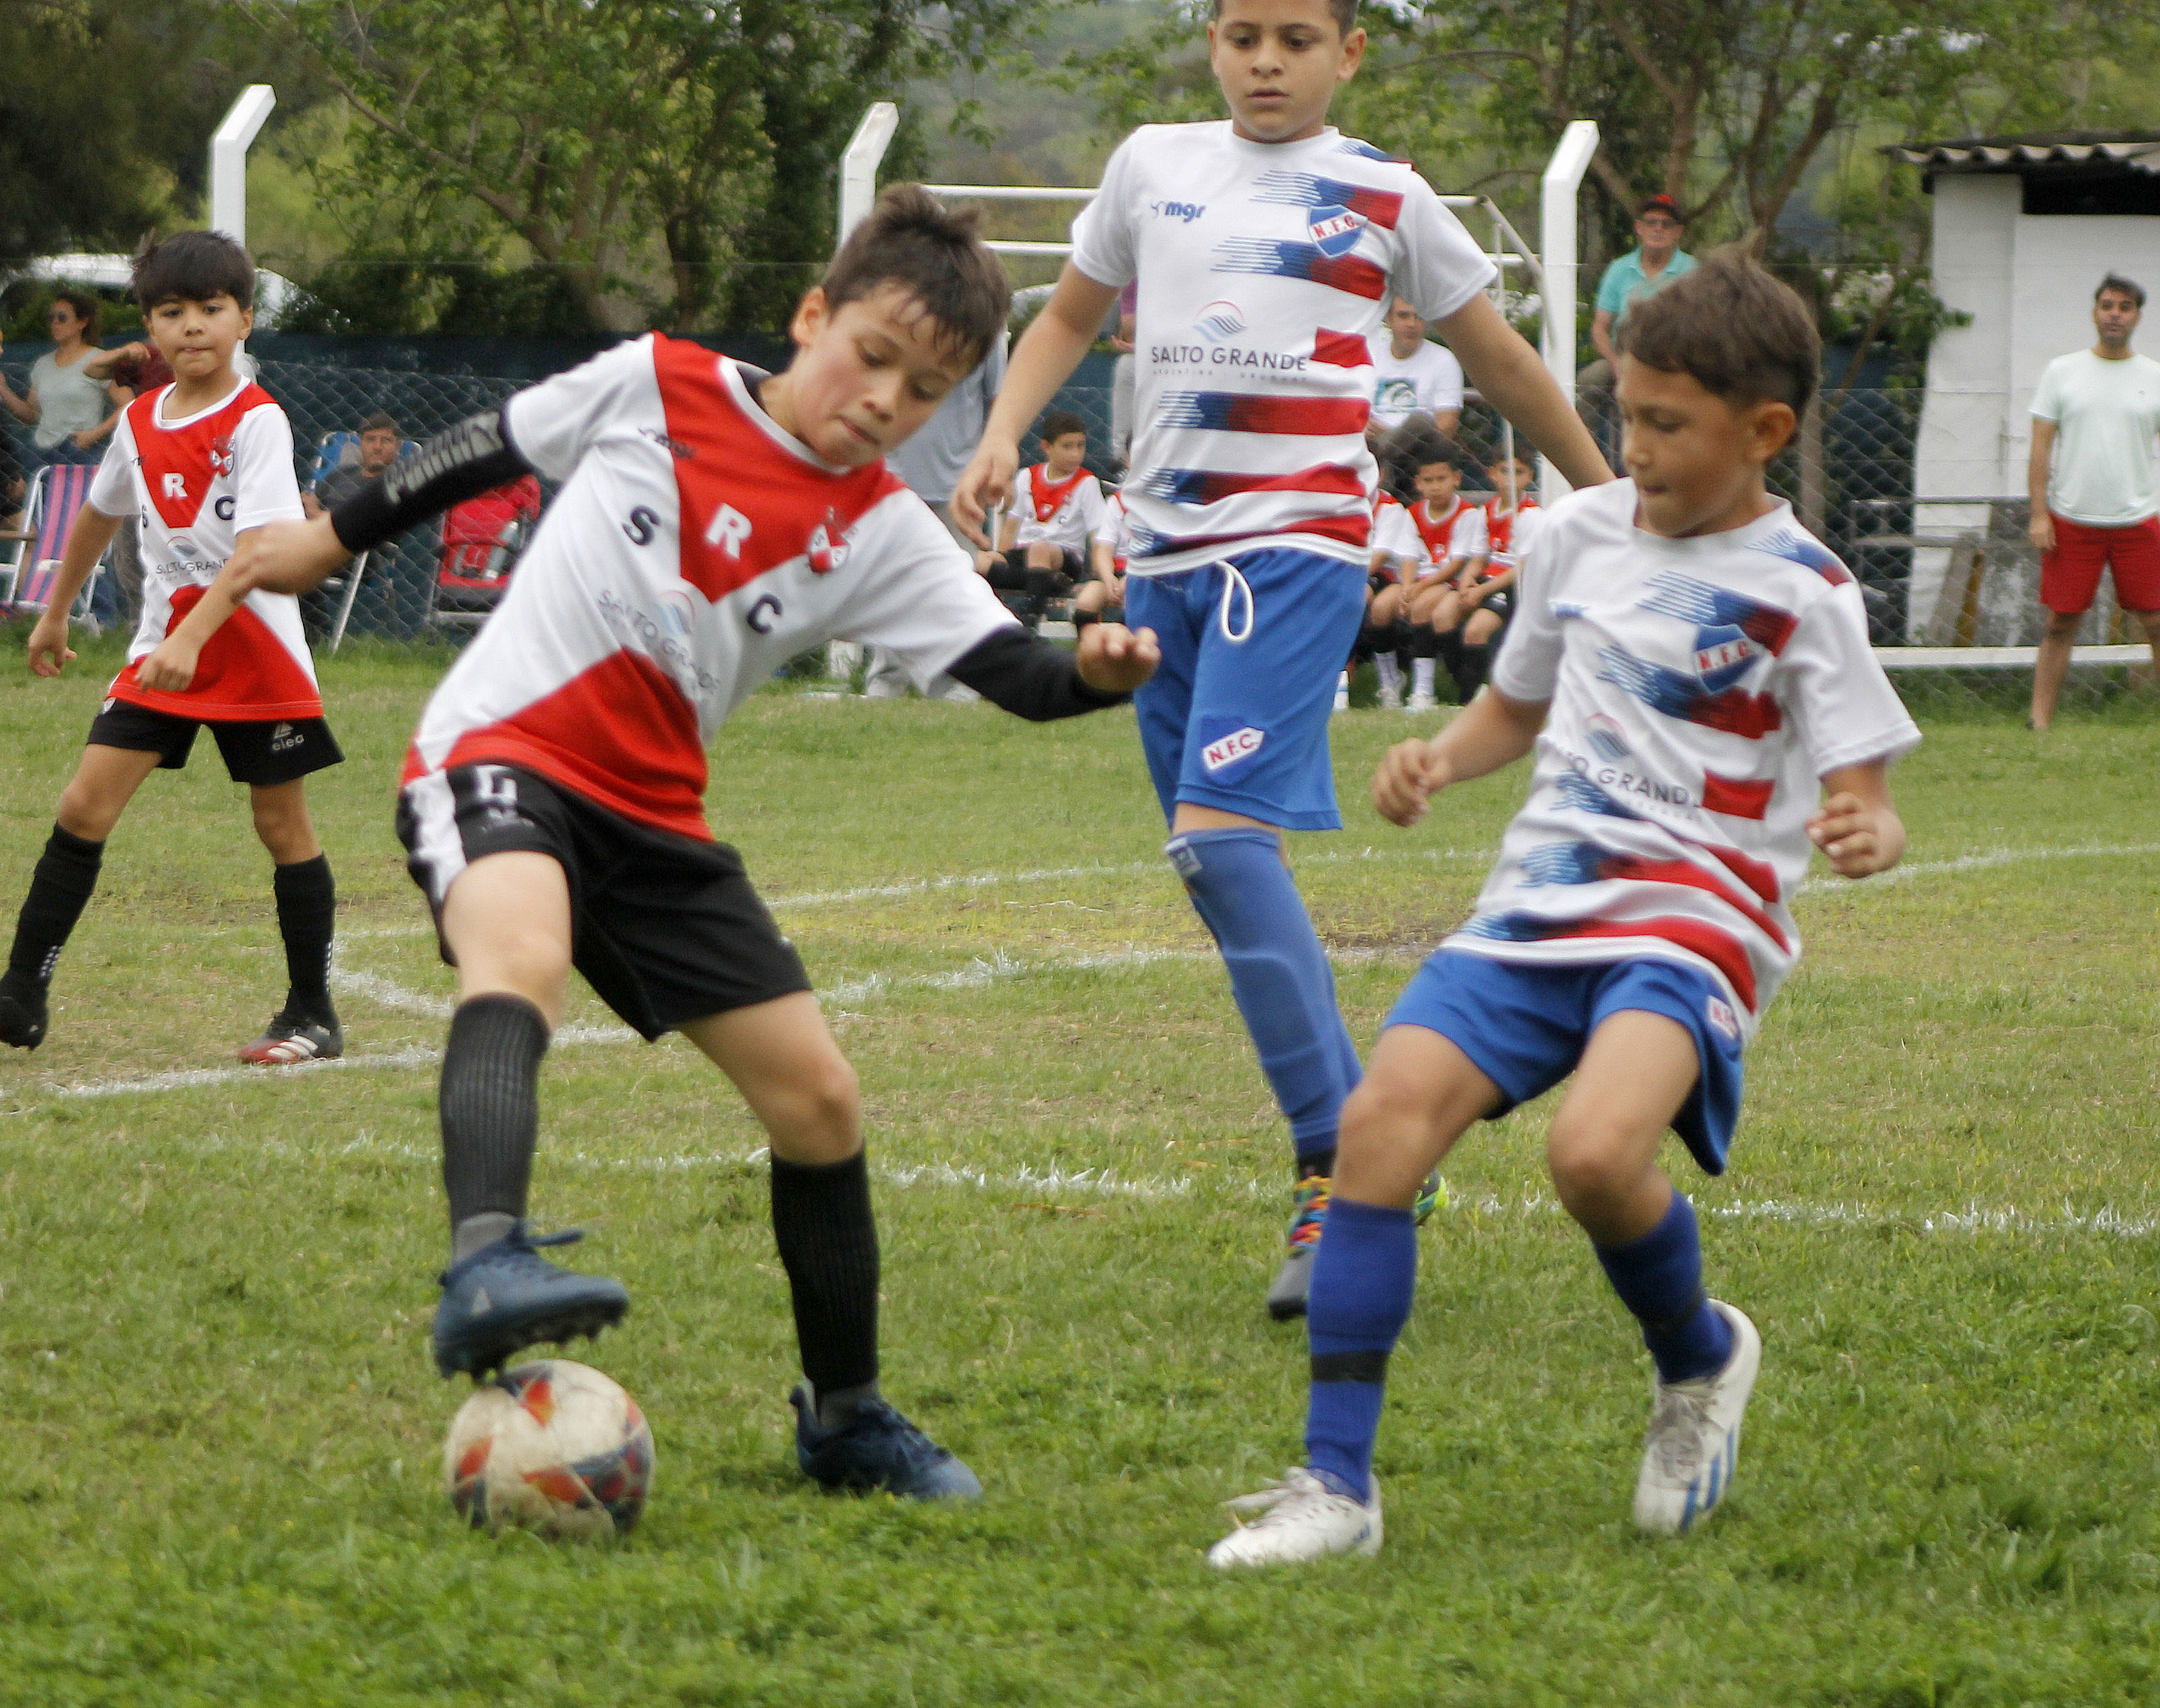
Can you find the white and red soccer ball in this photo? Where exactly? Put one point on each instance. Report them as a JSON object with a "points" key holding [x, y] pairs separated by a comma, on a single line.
{"points": [[552, 1446]]}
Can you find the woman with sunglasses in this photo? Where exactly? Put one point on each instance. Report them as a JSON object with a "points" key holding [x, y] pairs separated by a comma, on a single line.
{"points": [[69, 413]]}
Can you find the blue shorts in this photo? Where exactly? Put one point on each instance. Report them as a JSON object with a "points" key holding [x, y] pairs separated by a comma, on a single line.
{"points": [[1524, 1025], [1241, 724]]}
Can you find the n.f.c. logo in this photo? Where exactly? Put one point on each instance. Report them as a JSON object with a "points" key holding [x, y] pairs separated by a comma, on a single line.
{"points": [[1334, 230]]}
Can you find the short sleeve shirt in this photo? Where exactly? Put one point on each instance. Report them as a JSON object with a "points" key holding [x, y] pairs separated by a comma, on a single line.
{"points": [[1624, 283], [2107, 420], [68, 400], [1424, 382]]}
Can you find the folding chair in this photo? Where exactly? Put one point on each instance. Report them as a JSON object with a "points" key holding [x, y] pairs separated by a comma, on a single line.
{"points": [[338, 450], [57, 492], [481, 540]]}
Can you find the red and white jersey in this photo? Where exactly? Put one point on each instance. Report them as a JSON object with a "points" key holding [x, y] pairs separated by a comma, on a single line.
{"points": [[1700, 689], [1450, 535], [195, 483], [1063, 512], [1504, 534], [1114, 530], [1263, 268], [1394, 541], [694, 548]]}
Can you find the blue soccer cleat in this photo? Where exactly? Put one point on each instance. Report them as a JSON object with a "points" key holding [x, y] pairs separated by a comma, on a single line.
{"points": [[505, 1296], [877, 1449]]}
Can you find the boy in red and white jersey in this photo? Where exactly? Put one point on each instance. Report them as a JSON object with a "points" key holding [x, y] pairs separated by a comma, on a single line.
{"points": [[1493, 539], [200, 462], [1103, 599], [1448, 531], [1049, 532], [712, 523]]}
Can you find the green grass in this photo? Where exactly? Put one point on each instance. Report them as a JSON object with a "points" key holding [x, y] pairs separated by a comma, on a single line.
{"points": [[224, 1428]]}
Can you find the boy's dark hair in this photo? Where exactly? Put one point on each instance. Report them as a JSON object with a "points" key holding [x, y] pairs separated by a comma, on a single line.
{"points": [[193, 266], [1500, 460], [912, 240], [86, 306], [1435, 459], [1732, 328], [380, 422], [1344, 12], [1059, 423], [2129, 287]]}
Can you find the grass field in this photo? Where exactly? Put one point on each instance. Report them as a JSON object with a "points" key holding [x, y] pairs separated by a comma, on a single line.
{"points": [[1943, 1211]]}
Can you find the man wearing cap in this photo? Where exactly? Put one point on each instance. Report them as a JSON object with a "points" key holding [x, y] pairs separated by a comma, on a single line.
{"points": [[1642, 272]]}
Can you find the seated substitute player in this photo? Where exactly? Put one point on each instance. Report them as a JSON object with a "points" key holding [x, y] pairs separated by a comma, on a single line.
{"points": [[202, 463], [713, 522], [1395, 554], [1103, 599], [1447, 526], [1267, 246], [1049, 533], [1692, 669]]}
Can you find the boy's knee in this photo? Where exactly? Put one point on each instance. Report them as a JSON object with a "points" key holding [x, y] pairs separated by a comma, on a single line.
{"points": [[1382, 1106], [1590, 1166], [82, 812]]}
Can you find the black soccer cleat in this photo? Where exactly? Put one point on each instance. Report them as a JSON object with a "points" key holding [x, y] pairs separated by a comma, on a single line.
{"points": [[291, 1039], [505, 1296], [23, 1016], [877, 1450]]}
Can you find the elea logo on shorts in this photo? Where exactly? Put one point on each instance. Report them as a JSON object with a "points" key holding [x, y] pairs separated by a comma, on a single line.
{"points": [[1722, 1017], [1239, 743]]}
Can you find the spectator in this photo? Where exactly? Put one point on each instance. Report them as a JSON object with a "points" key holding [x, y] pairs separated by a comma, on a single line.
{"points": [[1049, 532], [1643, 272], [2097, 507], [69, 413], [381, 443], [1417, 400], [1103, 599]]}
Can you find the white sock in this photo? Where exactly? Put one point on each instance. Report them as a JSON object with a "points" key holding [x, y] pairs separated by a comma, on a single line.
{"points": [[1391, 672], [1421, 675]]}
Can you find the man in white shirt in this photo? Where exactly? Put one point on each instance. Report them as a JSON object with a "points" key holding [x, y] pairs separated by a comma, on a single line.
{"points": [[2096, 505], [1417, 399]]}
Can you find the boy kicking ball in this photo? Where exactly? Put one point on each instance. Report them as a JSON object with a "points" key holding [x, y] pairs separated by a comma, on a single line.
{"points": [[203, 463], [1692, 668], [714, 523]]}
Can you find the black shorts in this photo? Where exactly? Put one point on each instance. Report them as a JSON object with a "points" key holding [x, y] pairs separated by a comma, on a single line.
{"points": [[277, 750], [665, 928], [1499, 604], [1013, 574]]}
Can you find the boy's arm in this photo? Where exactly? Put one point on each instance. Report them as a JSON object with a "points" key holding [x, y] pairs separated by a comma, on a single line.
{"points": [[1043, 361], [1856, 828], [1039, 680], [1491, 731], [169, 666], [1513, 381], [1008, 531], [2042, 529], [92, 532]]}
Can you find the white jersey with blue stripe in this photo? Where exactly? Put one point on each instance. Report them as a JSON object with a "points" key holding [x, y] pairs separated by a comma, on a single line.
{"points": [[1264, 269], [1700, 689]]}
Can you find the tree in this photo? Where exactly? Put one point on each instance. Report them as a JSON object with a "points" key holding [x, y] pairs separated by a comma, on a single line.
{"points": [[662, 159]]}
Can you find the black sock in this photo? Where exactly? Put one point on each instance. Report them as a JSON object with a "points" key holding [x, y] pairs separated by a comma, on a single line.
{"points": [[829, 1245], [307, 911], [1081, 619], [490, 1106], [59, 888], [1470, 671]]}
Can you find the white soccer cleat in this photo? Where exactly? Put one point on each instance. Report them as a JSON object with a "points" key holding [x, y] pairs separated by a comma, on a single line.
{"points": [[1391, 697], [1421, 700], [1693, 1446], [1300, 1518]]}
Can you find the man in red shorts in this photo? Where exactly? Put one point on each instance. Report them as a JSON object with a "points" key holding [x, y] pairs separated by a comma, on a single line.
{"points": [[2095, 417]]}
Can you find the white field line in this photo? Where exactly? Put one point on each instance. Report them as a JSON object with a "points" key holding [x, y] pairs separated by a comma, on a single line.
{"points": [[1973, 863]]}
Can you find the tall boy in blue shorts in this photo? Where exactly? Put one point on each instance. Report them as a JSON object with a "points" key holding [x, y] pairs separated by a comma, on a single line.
{"points": [[1692, 669], [1268, 247]]}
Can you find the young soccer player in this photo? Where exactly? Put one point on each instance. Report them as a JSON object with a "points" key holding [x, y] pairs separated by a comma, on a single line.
{"points": [[1693, 671], [1103, 599], [713, 523], [1447, 525], [201, 462], [1049, 533], [1505, 526], [1266, 246]]}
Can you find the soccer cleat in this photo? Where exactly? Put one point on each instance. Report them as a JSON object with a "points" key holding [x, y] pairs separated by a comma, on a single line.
{"points": [[1300, 1518], [1421, 700], [288, 1039], [1693, 1446], [1431, 1194], [505, 1296], [1390, 696], [1286, 1293], [23, 1017], [876, 1449]]}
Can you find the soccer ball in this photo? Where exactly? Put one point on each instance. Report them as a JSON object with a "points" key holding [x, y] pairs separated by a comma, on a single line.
{"points": [[553, 1447]]}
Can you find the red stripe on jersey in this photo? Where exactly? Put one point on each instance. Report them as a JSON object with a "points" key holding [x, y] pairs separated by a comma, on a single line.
{"points": [[1691, 876], [620, 735], [1350, 273], [1439, 537], [1737, 797], [748, 504], [1322, 477], [180, 464], [1320, 417], [1720, 949], [1383, 207], [244, 675], [1351, 530], [1341, 349], [1754, 874]]}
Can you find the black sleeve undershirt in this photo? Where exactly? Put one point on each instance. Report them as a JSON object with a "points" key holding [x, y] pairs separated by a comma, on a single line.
{"points": [[473, 457], [1029, 677]]}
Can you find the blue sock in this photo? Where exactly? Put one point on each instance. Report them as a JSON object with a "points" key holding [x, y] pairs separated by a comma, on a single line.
{"points": [[1659, 1278], [1362, 1281], [1279, 973]]}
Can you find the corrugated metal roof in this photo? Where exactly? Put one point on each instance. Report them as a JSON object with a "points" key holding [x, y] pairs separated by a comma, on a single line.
{"points": [[2138, 150]]}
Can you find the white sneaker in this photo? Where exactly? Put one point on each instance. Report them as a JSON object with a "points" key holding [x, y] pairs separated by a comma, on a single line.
{"points": [[1391, 697], [1421, 700], [1300, 1518], [1693, 1446]]}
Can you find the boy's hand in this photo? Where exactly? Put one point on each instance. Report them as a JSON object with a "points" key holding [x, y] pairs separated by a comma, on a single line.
{"points": [[1858, 839], [1409, 772], [1112, 659], [984, 485], [171, 667], [49, 648], [288, 557]]}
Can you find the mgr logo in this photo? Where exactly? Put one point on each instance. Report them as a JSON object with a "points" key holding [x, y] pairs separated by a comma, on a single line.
{"points": [[1228, 749], [1335, 231]]}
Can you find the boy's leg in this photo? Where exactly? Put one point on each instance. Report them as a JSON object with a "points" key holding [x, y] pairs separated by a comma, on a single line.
{"points": [[1636, 1071], [61, 884], [783, 1057], [305, 1027], [1419, 1096]]}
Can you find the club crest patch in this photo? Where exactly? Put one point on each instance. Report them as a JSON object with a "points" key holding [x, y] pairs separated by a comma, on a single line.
{"points": [[1335, 230], [1226, 751], [1721, 1015], [828, 547], [1722, 656]]}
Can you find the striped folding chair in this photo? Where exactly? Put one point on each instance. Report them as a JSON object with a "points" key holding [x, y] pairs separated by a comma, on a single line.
{"points": [[57, 494]]}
